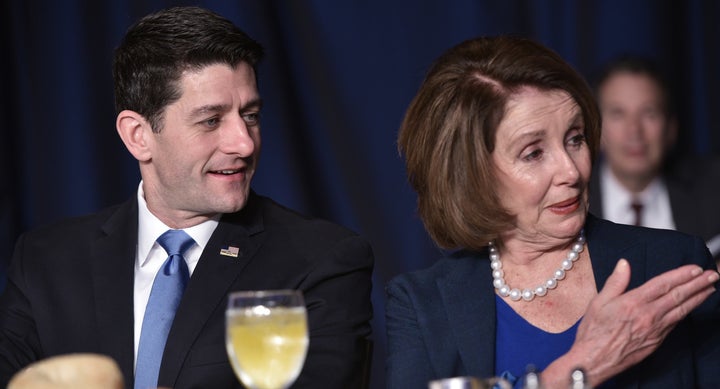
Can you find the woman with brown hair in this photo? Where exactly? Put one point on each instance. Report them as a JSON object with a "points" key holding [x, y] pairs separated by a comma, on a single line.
{"points": [[499, 143]]}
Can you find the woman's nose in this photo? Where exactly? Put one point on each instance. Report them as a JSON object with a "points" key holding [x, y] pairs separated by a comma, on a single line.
{"points": [[567, 169]]}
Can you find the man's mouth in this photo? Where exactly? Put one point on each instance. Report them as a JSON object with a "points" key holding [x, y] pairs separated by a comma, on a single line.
{"points": [[226, 172]]}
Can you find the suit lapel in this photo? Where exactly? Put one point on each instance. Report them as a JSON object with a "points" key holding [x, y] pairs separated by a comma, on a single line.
{"points": [[469, 301], [686, 211], [210, 284], [595, 197], [112, 262], [608, 245]]}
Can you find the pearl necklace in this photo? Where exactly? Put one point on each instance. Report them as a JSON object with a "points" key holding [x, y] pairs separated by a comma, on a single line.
{"points": [[528, 294]]}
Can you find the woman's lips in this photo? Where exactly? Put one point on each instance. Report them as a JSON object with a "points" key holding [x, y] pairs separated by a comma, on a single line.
{"points": [[566, 207]]}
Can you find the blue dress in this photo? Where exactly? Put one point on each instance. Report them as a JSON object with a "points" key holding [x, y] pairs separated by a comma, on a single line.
{"points": [[520, 345]]}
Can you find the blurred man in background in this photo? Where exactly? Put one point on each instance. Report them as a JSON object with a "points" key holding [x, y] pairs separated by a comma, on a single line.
{"points": [[637, 181]]}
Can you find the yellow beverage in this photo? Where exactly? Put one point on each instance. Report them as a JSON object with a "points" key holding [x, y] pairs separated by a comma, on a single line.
{"points": [[267, 346]]}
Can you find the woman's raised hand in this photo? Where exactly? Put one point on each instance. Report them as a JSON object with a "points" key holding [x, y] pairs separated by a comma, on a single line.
{"points": [[621, 328]]}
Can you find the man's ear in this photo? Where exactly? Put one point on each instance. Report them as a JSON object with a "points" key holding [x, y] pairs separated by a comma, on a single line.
{"points": [[134, 131]]}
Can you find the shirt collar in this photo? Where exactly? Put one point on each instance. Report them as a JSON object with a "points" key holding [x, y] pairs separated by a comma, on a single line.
{"points": [[614, 194], [150, 228], [614, 191]]}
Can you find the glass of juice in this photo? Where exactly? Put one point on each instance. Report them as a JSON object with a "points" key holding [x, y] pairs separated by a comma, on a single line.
{"points": [[266, 337]]}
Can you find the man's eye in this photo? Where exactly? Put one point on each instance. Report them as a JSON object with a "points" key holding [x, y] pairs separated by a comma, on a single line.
{"points": [[251, 118], [212, 122]]}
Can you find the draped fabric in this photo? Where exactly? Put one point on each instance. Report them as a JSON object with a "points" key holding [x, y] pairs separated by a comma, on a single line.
{"points": [[336, 80]]}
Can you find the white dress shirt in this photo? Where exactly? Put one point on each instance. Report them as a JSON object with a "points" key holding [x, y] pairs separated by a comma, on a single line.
{"points": [[616, 202], [150, 255]]}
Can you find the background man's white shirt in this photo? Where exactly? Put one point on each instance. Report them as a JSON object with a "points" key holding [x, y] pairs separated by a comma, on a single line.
{"points": [[616, 202]]}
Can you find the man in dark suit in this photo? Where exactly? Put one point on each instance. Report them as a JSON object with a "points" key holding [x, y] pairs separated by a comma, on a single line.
{"points": [[637, 180], [188, 111]]}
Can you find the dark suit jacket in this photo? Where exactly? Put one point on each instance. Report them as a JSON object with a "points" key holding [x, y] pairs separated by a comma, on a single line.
{"points": [[694, 189], [441, 320], [70, 290]]}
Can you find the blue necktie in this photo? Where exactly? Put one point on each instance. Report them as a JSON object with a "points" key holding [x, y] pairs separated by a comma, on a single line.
{"points": [[167, 290]]}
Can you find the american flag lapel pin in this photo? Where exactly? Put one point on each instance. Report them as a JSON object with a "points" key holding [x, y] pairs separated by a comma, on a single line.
{"points": [[230, 251]]}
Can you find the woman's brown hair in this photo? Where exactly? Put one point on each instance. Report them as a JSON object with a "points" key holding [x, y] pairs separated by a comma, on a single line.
{"points": [[448, 133]]}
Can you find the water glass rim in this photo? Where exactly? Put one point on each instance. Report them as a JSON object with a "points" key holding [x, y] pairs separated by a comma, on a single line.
{"points": [[265, 293], [467, 382]]}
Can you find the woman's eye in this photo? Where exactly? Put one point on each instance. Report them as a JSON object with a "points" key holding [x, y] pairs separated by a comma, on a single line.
{"points": [[577, 140], [533, 155]]}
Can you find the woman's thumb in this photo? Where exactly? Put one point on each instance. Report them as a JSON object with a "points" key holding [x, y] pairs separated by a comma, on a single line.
{"points": [[617, 282]]}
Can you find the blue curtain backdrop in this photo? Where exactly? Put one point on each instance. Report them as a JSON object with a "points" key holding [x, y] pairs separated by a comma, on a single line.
{"points": [[336, 80]]}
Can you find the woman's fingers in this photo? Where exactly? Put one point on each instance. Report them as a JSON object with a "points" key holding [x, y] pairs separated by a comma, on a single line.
{"points": [[662, 284], [683, 298], [634, 323], [673, 294]]}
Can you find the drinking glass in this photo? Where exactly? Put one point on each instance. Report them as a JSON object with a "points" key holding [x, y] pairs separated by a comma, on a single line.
{"points": [[469, 383], [266, 337]]}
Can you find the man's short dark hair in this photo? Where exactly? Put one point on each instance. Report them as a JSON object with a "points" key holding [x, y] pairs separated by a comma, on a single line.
{"points": [[638, 65], [155, 51]]}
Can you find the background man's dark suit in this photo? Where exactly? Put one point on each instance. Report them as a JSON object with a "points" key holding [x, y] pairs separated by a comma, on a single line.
{"points": [[441, 320], [694, 189], [71, 290]]}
